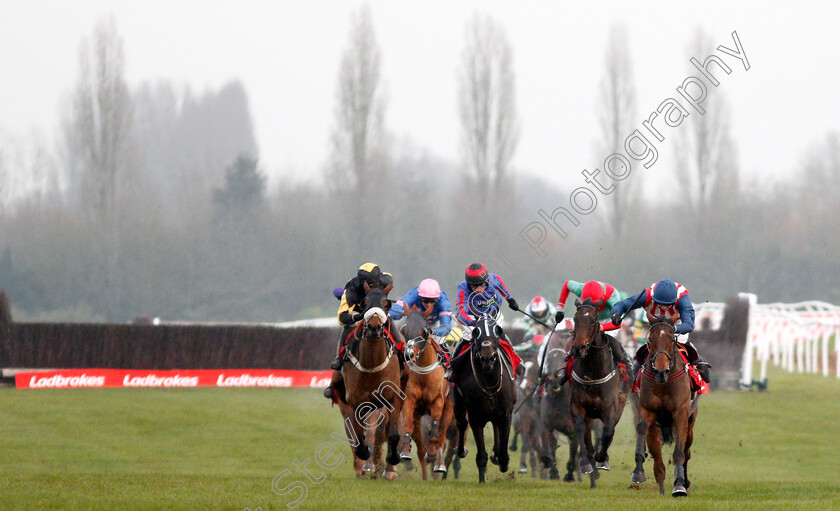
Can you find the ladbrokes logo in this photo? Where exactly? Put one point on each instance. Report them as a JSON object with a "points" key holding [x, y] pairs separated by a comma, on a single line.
{"points": [[62, 382], [156, 381], [246, 380]]}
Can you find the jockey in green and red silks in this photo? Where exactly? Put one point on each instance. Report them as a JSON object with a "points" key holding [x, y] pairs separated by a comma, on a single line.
{"points": [[670, 299], [603, 296]]}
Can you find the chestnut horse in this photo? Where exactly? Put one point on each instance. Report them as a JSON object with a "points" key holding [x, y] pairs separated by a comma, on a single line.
{"points": [[665, 401], [372, 385], [426, 392], [597, 389]]}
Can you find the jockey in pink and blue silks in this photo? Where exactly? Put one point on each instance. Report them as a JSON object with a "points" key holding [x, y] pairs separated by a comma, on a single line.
{"points": [[670, 299], [481, 294]]}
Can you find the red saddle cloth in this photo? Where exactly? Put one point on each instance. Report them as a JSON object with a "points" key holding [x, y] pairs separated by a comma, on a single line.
{"points": [[698, 385], [512, 356]]}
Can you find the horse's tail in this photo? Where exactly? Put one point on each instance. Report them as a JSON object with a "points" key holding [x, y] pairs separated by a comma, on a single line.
{"points": [[667, 434]]}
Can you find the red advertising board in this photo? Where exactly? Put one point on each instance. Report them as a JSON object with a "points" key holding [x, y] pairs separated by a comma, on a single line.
{"points": [[102, 378]]}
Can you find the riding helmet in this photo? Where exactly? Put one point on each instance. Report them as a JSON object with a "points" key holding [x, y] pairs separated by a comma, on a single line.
{"points": [[370, 273], [429, 288], [476, 274], [665, 292], [593, 290]]}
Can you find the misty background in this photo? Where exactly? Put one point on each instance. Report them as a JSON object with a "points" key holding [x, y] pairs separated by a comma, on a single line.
{"points": [[153, 199]]}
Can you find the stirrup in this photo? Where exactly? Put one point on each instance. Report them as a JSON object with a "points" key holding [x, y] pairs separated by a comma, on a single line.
{"points": [[448, 374], [562, 376]]}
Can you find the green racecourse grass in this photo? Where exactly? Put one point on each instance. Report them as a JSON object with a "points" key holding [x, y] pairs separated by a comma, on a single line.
{"points": [[220, 449]]}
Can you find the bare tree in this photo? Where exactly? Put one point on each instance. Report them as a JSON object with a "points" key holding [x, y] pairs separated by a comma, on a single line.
{"points": [[358, 166], [98, 140], [617, 112], [487, 105], [707, 161], [358, 149], [99, 128]]}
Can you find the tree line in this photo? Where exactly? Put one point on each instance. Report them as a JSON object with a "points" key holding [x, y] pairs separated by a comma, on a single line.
{"points": [[154, 201]]}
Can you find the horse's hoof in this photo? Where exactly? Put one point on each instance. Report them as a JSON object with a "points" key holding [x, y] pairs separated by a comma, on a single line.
{"points": [[392, 459], [368, 469], [440, 469], [493, 458], [568, 478], [679, 491], [603, 465], [638, 477], [389, 475], [405, 457], [586, 469], [523, 469], [503, 467], [463, 453]]}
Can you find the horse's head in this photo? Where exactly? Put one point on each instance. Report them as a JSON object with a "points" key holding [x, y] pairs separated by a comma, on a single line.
{"points": [[416, 332], [587, 327], [376, 307], [662, 346], [486, 334]]}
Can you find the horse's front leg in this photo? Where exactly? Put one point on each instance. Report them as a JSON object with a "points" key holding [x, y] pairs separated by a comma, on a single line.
{"points": [[407, 425], [503, 432], [638, 476], [681, 426], [393, 457], [654, 444], [481, 451], [602, 458], [582, 434], [462, 423], [435, 412]]}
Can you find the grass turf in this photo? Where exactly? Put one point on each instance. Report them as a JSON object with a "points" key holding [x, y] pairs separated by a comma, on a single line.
{"points": [[222, 448]]}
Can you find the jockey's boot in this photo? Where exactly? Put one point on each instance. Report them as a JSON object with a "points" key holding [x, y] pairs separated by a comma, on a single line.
{"points": [[561, 375], [329, 392], [336, 364], [702, 365], [620, 355], [458, 347]]}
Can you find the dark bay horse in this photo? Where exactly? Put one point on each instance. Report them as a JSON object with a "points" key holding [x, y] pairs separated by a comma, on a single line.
{"points": [[556, 410], [597, 388], [372, 382], [665, 401], [426, 393], [484, 392]]}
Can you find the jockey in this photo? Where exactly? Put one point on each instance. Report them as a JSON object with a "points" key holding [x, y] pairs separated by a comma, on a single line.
{"points": [[350, 312], [480, 294], [540, 309], [595, 291], [668, 298], [431, 302]]}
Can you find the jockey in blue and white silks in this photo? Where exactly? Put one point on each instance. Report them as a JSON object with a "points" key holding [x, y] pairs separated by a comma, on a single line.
{"points": [[429, 300]]}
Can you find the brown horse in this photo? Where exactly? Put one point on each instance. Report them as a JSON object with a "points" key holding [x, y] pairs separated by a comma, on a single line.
{"points": [[426, 392], [372, 386], [665, 402], [597, 389]]}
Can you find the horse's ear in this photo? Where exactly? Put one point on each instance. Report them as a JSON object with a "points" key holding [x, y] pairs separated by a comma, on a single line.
{"points": [[497, 330], [577, 302], [388, 288], [476, 332], [366, 287], [599, 303], [388, 304]]}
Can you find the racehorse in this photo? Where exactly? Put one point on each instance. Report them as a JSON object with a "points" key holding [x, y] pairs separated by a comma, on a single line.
{"points": [[484, 392], [372, 383], [555, 410], [665, 401], [426, 392], [526, 422], [597, 388]]}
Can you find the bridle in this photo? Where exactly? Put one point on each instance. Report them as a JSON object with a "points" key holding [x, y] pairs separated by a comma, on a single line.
{"points": [[596, 329], [650, 370]]}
